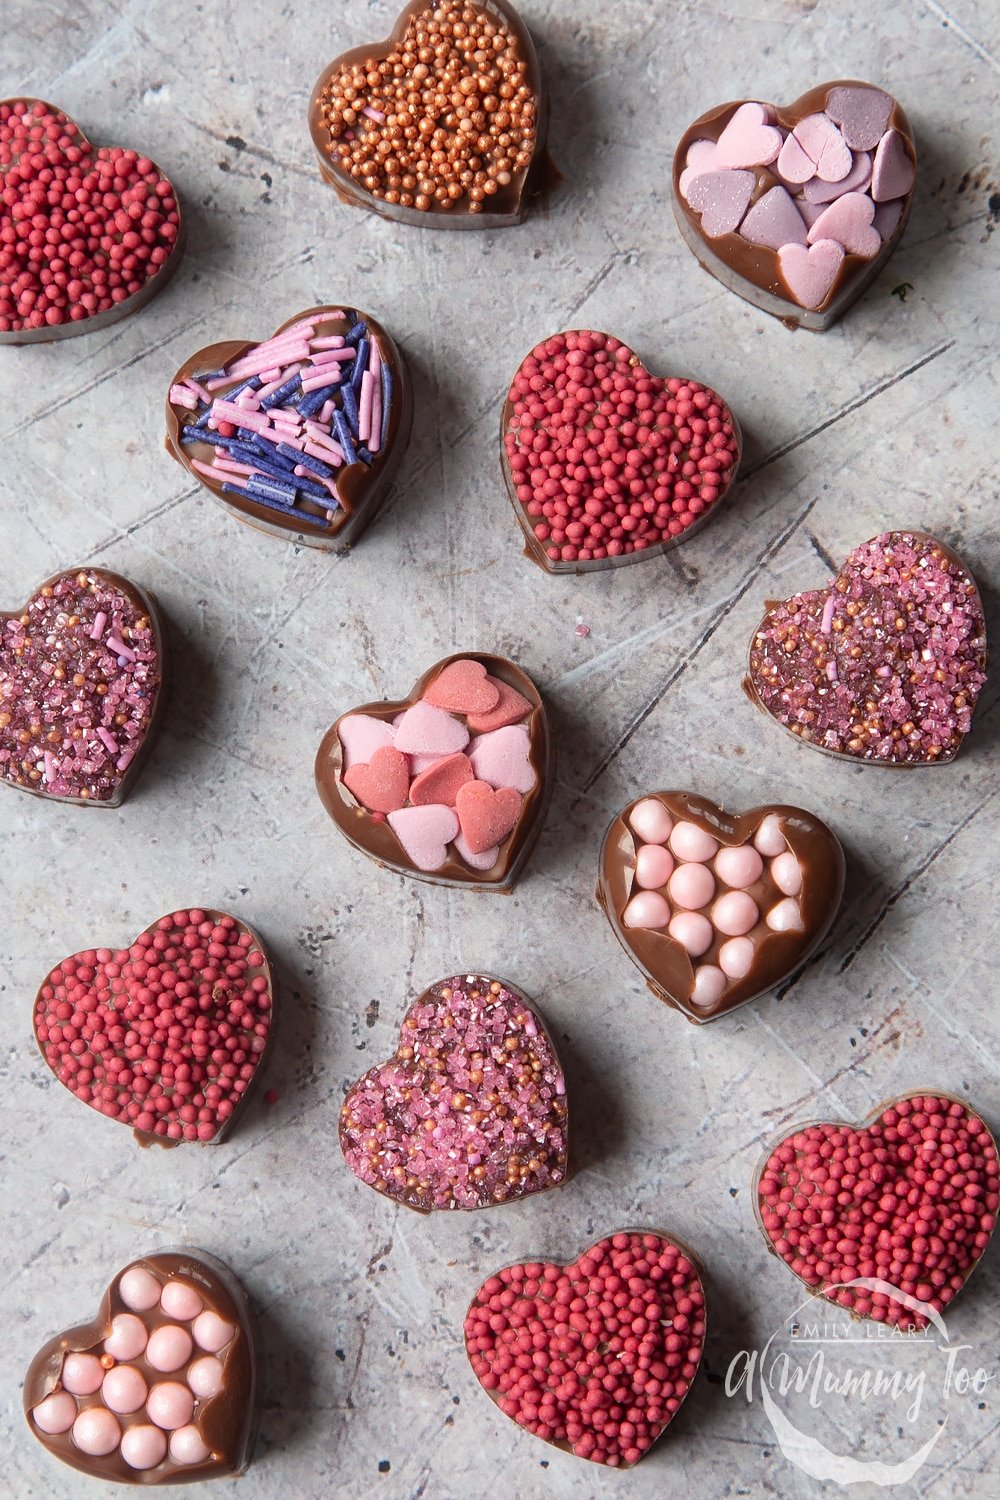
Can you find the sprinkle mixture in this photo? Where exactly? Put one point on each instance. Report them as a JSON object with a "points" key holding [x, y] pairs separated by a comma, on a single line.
{"points": [[597, 1355], [140, 1392], [910, 1199], [606, 459], [446, 121], [81, 228], [886, 664], [166, 1035], [280, 423], [472, 1109], [79, 678]]}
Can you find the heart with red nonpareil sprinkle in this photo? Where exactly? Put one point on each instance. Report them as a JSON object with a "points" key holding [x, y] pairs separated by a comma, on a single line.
{"points": [[166, 1036], [451, 784], [87, 234], [567, 1351], [886, 664], [82, 668], [904, 1203], [797, 207], [605, 463], [470, 1112]]}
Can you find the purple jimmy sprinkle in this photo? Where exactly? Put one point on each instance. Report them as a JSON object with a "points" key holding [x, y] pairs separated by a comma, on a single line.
{"points": [[344, 437]]}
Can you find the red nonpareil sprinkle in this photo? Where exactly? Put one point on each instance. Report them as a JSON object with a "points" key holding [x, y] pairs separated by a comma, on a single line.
{"points": [[166, 1035], [598, 1355], [910, 1199], [607, 459], [81, 228]]}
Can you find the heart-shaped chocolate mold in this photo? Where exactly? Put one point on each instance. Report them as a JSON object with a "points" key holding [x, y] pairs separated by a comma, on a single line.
{"points": [[591, 1365], [466, 79], [906, 1200], [508, 748], [82, 674], [161, 1387], [778, 246], [471, 1111], [166, 1036], [605, 463], [301, 435], [885, 665], [101, 223], [717, 908]]}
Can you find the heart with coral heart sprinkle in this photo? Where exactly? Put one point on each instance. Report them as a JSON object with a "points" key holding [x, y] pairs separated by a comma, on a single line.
{"points": [[468, 75], [87, 234], [904, 1203], [161, 1387], [81, 687], [450, 784], [605, 463], [470, 1112], [301, 435], [595, 1357], [886, 664], [166, 1036], [797, 208]]}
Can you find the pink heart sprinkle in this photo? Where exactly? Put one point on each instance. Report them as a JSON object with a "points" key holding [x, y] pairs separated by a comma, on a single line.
{"points": [[382, 785], [818, 191], [721, 198], [463, 687], [809, 211], [862, 115], [502, 758], [774, 220], [482, 862], [701, 158], [823, 143], [424, 834], [360, 736], [441, 782], [511, 707], [887, 216], [486, 815], [748, 140], [810, 272], [849, 222], [894, 170], [424, 729], [793, 163]]}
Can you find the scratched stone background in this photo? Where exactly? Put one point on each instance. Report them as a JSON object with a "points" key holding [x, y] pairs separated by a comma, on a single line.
{"points": [[888, 420]]}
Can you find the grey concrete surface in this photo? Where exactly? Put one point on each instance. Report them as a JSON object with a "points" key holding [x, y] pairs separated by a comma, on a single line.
{"points": [[888, 420]]}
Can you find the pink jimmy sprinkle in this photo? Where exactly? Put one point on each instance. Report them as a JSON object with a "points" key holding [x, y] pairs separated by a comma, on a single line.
{"points": [[259, 362], [375, 441], [365, 406], [270, 353], [327, 455], [181, 396], [118, 646], [374, 357], [826, 623], [199, 390], [325, 413], [228, 466], [334, 341], [50, 767], [373, 114], [332, 356], [328, 375], [108, 741], [124, 760], [228, 411], [97, 629], [831, 670], [275, 383]]}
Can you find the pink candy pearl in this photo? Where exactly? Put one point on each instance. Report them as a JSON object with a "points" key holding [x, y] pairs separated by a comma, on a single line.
{"points": [[654, 866], [691, 886], [651, 821], [188, 1447], [82, 1374], [170, 1404], [709, 985], [769, 838], [127, 1338], [786, 872], [124, 1389], [205, 1377], [735, 913], [144, 1447], [180, 1300], [786, 917], [56, 1413], [212, 1332], [688, 841], [736, 957], [169, 1347], [739, 867], [693, 931], [139, 1289], [96, 1432], [648, 909]]}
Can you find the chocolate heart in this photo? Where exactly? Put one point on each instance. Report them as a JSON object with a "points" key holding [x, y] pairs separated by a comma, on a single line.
{"points": [[87, 234], [717, 908], [161, 1387], [904, 1202], [589, 1355], [605, 463], [299, 436], [476, 1064], [82, 674], [475, 163], [883, 666], [174, 1072], [426, 839], [838, 140]]}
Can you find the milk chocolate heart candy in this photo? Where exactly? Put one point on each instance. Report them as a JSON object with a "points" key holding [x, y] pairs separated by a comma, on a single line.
{"points": [[886, 664], [841, 141], [87, 234], [500, 1125], [583, 1372], [177, 1072], [605, 463], [161, 1387], [301, 435], [475, 163], [717, 908], [904, 1203], [499, 780], [82, 672]]}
